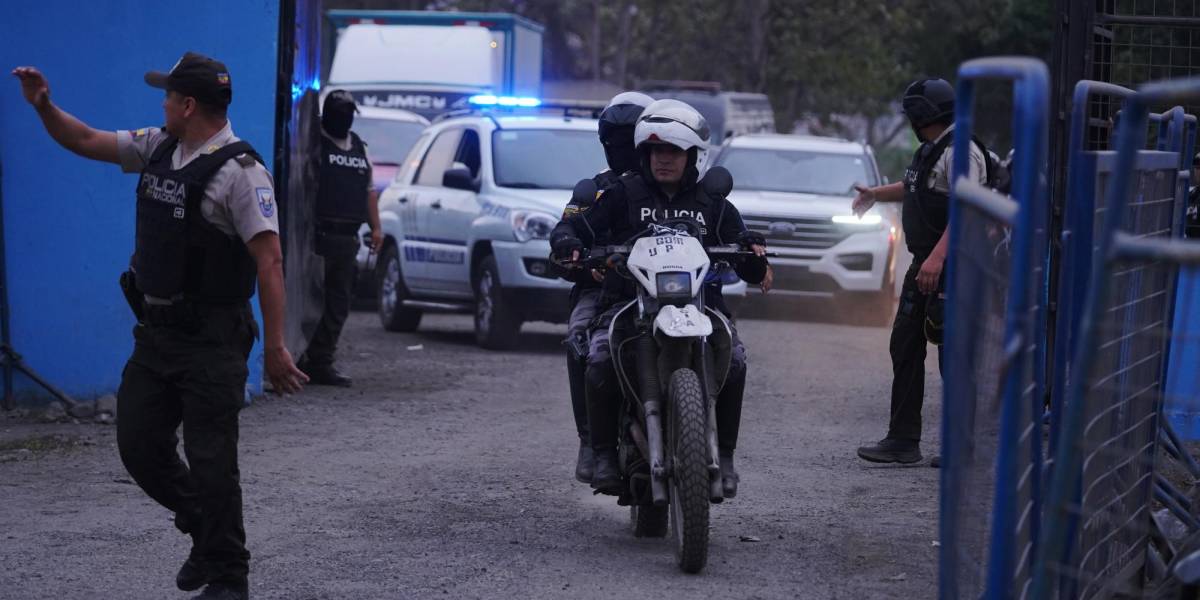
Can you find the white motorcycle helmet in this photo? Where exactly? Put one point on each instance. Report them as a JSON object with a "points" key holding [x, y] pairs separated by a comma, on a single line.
{"points": [[676, 123]]}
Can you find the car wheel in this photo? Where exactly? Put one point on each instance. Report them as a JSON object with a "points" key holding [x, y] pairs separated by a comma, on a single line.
{"points": [[393, 315], [496, 323]]}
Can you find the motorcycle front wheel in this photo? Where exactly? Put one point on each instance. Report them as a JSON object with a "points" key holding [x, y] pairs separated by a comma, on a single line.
{"points": [[689, 482]]}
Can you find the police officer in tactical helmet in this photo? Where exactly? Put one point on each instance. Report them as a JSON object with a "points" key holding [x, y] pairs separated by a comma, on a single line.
{"points": [[345, 200], [617, 122], [207, 229], [925, 197], [671, 138]]}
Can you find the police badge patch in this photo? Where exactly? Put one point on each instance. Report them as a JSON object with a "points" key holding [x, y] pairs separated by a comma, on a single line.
{"points": [[266, 201]]}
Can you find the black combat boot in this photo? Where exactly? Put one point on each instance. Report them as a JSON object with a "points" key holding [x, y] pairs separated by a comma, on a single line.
{"points": [[729, 476], [585, 462], [326, 375], [606, 478], [192, 575], [890, 450]]}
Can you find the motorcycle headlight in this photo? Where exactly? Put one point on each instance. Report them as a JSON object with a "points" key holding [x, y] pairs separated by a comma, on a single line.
{"points": [[674, 287], [529, 225]]}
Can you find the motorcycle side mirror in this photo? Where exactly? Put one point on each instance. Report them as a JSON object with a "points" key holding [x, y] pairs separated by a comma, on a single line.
{"points": [[718, 181], [584, 193]]}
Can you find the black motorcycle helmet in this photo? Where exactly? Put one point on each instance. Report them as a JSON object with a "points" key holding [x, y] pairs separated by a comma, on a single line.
{"points": [[929, 101], [617, 123]]}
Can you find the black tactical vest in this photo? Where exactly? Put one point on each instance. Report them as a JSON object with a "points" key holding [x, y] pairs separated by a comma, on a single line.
{"points": [[925, 213], [345, 181], [694, 203], [179, 252], [581, 278]]}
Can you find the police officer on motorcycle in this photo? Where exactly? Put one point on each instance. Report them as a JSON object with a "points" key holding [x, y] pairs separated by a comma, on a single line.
{"points": [[346, 199], [672, 141], [925, 198], [617, 122]]}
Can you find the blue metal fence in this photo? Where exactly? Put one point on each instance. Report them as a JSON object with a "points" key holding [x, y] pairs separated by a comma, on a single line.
{"points": [[1100, 536], [991, 440]]}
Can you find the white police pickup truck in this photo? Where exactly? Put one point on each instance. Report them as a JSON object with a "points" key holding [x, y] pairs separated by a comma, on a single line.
{"points": [[467, 218], [796, 191]]}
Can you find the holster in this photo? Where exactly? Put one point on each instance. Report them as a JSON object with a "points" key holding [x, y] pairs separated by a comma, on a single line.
{"points": [[133, 297]]}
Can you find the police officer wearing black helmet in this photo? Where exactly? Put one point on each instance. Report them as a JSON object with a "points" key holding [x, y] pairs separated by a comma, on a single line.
{"points": [[925, 198], [345, 200], [617, 122], [207, 229], [672, 143]]}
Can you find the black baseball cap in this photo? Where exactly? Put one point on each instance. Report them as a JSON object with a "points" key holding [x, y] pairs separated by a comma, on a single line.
{"points": [[339, 100], [198, 76]]}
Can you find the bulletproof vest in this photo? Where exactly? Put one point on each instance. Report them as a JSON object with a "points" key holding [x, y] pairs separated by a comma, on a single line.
{"points": [[345, 180], [179, 252], [925, 213], [693, 203]]}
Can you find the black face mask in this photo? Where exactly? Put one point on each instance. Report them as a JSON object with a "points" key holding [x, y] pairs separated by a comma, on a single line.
{"points": [[337, 122]]}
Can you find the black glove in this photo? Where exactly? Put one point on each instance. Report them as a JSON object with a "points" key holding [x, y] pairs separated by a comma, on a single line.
{"points": [[749, 238], [564, 246]]}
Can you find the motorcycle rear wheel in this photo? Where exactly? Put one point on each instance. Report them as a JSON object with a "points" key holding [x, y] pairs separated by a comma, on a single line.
{"points": [[689, 482]]}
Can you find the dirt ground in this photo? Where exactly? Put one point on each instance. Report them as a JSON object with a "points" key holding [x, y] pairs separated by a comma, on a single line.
{"points": [[446, 472]]}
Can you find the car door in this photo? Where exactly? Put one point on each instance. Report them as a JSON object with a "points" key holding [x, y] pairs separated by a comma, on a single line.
{"points": [[420, 247], [451, 213]]}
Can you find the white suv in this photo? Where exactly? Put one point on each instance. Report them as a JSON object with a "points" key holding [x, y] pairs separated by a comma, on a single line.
{"points": [[467, 219], [796, 191]]}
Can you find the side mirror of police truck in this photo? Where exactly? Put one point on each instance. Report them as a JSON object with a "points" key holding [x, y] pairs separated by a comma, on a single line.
{"points": [[718, 181], [584, 193], [459, 178]]}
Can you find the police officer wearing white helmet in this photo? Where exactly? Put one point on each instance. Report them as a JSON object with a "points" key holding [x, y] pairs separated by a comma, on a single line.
{"points": [[616, 128], [672, 143]]}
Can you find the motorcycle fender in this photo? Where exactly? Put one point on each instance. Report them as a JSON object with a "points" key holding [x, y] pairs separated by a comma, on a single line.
{"points": [[684, 322]]}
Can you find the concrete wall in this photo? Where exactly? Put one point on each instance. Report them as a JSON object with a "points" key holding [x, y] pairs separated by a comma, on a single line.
{"points": [[69, 222]]}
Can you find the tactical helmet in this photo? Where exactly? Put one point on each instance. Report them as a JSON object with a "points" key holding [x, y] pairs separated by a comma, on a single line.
{"points": [[928, 101]]}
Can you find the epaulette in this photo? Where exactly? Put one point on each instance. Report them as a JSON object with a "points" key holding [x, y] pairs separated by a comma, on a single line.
{"points": [[245, 160]]}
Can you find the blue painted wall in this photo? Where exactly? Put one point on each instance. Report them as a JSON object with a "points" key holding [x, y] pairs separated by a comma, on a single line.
{"points": [[68, 221]]}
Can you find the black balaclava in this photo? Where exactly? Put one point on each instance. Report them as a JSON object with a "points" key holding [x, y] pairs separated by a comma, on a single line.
{"points": [[337, 115], [619, 150]]}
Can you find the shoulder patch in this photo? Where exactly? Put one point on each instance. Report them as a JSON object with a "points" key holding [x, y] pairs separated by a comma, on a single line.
{"points": [[138, 133], [245, 160], [266, 201]]}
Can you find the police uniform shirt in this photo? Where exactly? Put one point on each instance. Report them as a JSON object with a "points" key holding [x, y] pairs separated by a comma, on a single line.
{"points": [[345, 144], [939, 176], [238, 199]]}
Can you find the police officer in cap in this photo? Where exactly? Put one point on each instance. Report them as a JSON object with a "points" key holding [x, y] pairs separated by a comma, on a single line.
{"points": [[925, 198], [345, 200], [616, 135], [207, 230]]}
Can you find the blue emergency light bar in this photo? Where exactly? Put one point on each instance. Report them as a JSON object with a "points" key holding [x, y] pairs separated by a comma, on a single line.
{"points": [[508, 101]]}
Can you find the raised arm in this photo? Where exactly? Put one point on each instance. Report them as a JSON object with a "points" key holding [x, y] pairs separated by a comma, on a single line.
{"points": [[69, 132]]}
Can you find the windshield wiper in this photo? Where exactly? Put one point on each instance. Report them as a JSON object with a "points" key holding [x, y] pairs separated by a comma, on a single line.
{"points": [[522, 185]]}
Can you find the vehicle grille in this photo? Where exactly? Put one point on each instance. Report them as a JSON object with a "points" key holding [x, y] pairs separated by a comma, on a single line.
{"points": [[806, 233]]}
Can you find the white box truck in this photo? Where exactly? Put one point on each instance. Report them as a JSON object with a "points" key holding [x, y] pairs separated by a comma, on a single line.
{"points": [[431, 62]]}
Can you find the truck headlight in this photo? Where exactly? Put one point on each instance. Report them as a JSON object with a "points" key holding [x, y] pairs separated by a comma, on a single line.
{"points": [[865, 220], [528, 225]]}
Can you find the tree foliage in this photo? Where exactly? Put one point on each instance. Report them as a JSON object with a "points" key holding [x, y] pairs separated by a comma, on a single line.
{"points": [[817, 58]]}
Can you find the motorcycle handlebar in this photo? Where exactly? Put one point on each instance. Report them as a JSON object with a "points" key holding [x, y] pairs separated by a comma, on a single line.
{"points": [[606, 256]]}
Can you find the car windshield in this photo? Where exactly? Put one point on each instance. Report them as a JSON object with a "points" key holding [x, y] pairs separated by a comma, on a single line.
{"points": [[796, 171], [388, 141], [545, 158]]}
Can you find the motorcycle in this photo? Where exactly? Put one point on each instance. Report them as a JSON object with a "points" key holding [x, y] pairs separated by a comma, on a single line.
{"points": [[672, 355]]}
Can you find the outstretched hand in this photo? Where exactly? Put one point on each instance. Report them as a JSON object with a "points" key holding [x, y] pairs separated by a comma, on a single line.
{"points": [[863, 201], [34, 86]]}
